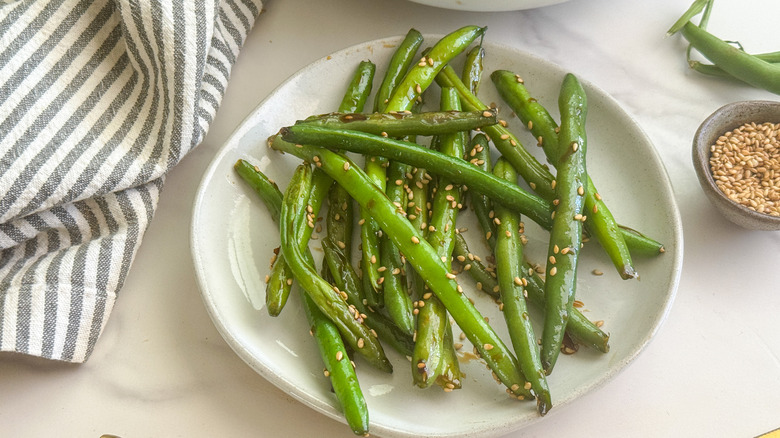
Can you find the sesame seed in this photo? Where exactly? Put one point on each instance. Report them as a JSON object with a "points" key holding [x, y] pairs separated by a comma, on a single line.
{"points": [[597, 272], [339, 355], [450, 275], [488, 347], [553, 271], [361, 343], [518, 281], [487, 114], [575, 146], [415, 240]]}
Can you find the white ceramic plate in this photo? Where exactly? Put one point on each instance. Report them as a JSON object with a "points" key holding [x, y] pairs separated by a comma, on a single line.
{"points": [[233, 237], [488, 5]]}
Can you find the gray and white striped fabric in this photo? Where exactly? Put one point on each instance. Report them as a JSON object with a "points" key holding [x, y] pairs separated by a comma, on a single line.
{"points": [[98, 100]]}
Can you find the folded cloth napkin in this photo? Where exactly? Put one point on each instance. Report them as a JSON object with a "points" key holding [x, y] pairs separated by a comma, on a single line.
{"points": [[98, 100]]}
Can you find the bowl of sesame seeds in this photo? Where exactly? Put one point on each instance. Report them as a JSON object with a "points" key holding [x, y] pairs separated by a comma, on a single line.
{"points": [[736, 154]]}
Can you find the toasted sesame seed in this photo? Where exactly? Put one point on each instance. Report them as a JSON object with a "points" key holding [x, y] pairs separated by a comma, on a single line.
{"points": [[339, 355], [451, 276], [289, 282], [553, 271], [373, 259], [518, 281], [415, 240], [552, 260], [361, 343], [597, 272], [487, 114], [575, 146], [580, 190], [488, 347]]}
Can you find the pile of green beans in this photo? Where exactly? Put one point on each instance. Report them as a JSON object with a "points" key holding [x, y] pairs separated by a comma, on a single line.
{"points": [[760, 71], [405, 204]]}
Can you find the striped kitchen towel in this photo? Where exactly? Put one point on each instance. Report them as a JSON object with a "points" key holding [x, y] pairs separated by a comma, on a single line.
{"points": [[98, 100]]}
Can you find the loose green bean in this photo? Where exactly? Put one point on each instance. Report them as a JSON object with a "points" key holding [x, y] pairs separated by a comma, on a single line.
{"points": [[566, 233]]}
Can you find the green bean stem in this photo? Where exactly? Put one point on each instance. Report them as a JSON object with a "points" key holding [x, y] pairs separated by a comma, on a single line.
{"points": [[423, 258], [399, 64], [566, 233], [600, 223], [294, 219], [338, 368], [509, 261]]}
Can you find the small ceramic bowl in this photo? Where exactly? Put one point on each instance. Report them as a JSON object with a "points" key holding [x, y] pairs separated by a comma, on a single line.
{"points": [[725, 119]]}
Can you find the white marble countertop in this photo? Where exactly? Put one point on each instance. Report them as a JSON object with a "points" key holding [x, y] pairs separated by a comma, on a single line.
{"points": [[162, 369]]}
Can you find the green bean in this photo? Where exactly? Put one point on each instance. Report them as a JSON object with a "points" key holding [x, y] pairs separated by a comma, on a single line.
{"points": [[457, 170], [397, 301], [338, 368], [600, 223], [347, 280], [737, 63], [434, 358], [534, 173], [264, 187], [566, 233], [403, 124], [359, 88], [399, 64], [293, 221], [473, 68], [509, 260], [423, 258]]}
